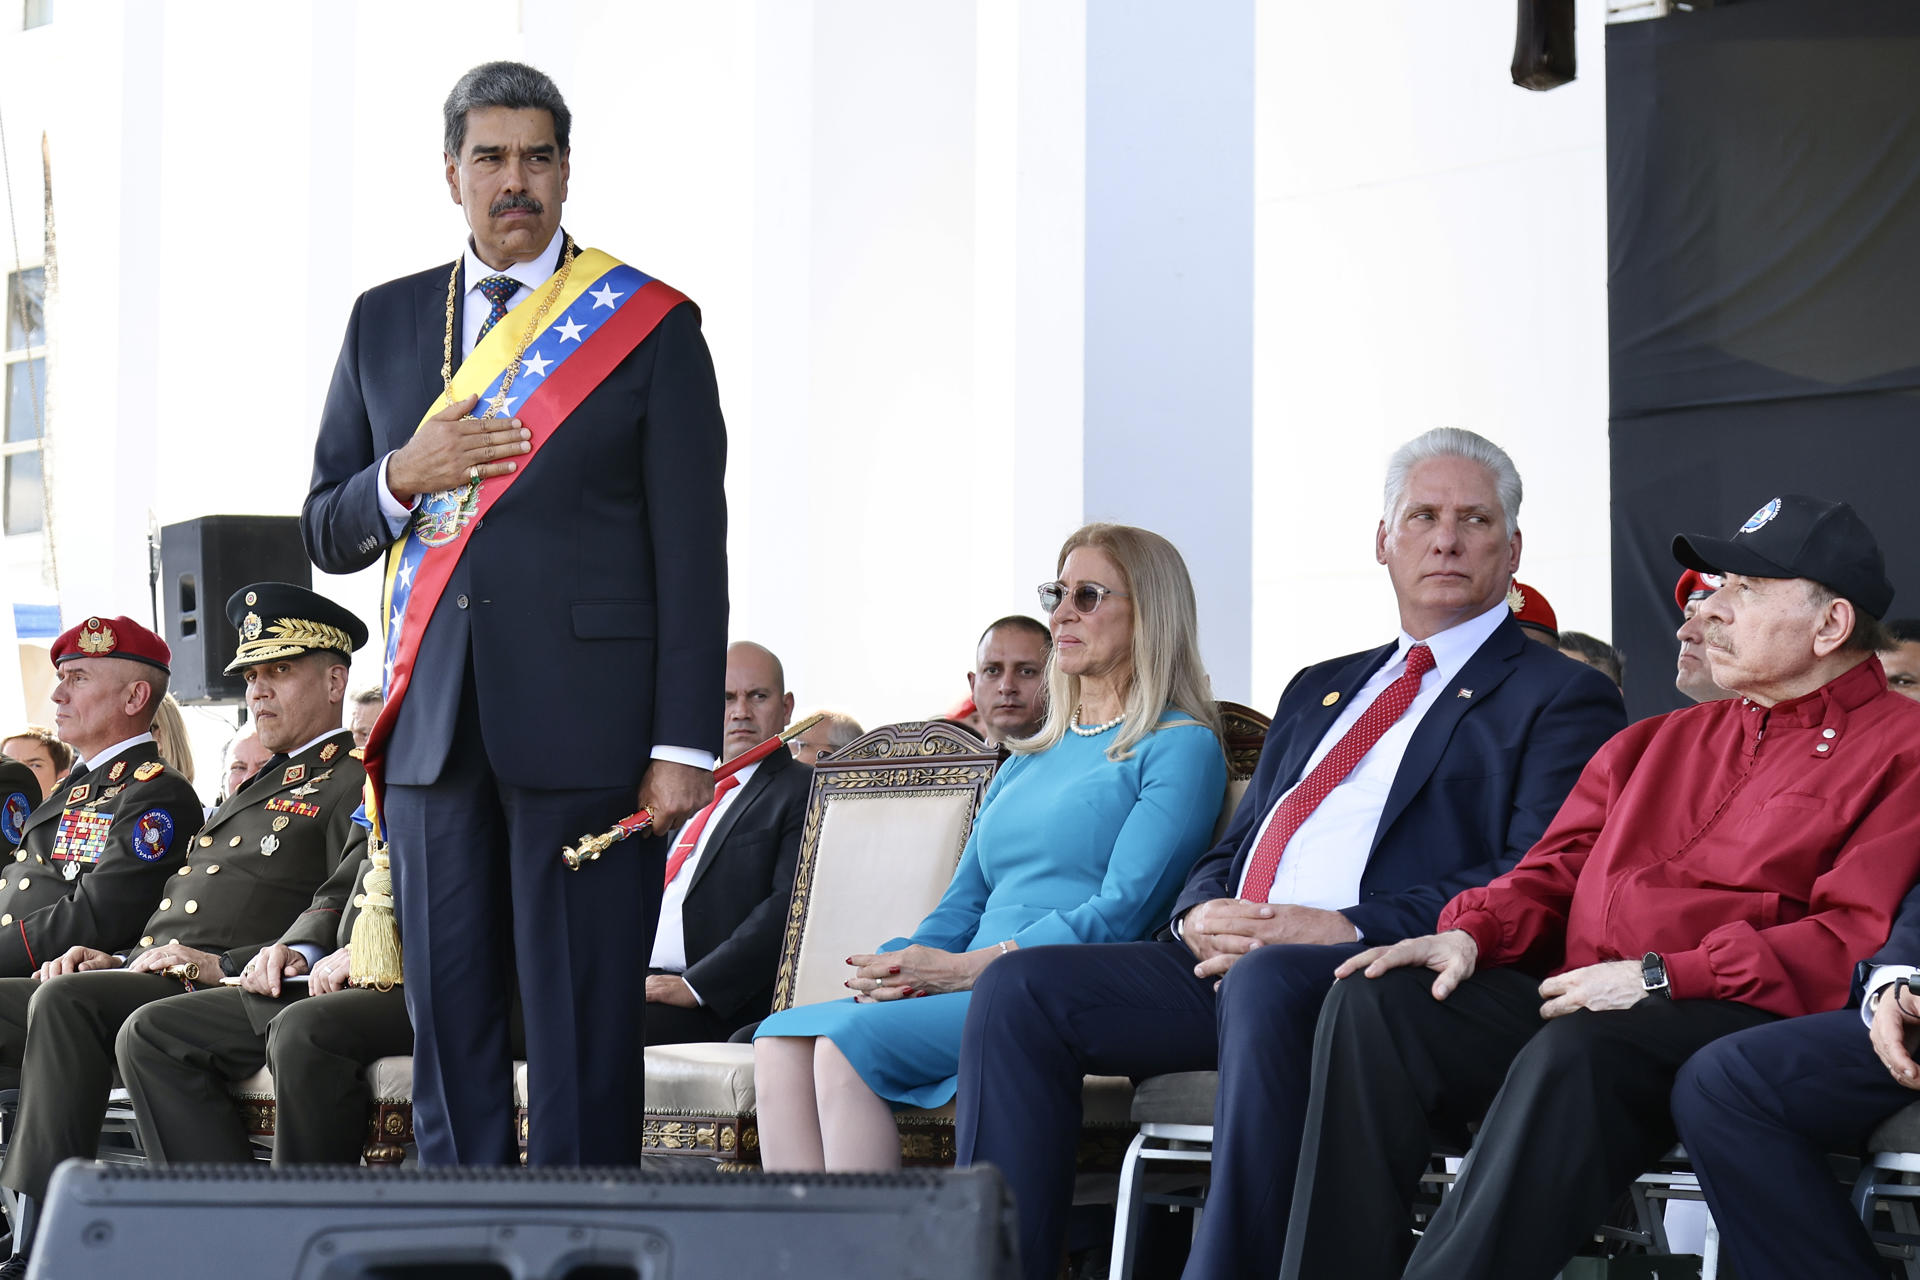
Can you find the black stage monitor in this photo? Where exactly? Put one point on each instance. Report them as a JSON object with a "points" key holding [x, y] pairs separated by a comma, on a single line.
{"points": [[204, 561], [340, 1223]]}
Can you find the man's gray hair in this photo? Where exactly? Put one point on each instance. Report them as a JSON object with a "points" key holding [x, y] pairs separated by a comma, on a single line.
{"points": [[513, 85], [1455, 442]]}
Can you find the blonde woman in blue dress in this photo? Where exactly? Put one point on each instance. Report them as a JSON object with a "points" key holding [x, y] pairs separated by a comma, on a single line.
{"points": [[1085, 835]]}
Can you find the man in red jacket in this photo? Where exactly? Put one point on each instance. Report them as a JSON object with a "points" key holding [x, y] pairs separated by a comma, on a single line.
{"points": [[1713, 869]]}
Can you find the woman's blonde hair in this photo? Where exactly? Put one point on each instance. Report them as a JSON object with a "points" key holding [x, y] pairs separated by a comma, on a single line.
{"points": [[170, 736], [1166, 642]]}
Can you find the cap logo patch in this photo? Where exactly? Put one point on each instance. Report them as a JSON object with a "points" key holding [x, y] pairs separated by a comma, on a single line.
{"points": [[96, 639], [1758, 519], [13, 817], [153, 835], [250, 627]]}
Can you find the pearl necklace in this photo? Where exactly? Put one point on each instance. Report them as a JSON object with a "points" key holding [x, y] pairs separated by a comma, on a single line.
{"points": [[1092, 730]]}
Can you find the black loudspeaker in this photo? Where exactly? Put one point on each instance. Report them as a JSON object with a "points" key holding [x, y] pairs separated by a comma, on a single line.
{"points": [[1543, 44], [339, 1223], [204, 561]]}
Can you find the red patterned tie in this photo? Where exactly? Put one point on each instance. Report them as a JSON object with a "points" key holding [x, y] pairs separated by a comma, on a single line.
{"points": [[1332, 771], [690, 838]]}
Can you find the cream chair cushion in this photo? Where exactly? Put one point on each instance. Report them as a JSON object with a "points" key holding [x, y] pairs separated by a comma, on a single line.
{"points": [[391, 1079], [258, 1086], [700, 1079], [882, 863]]}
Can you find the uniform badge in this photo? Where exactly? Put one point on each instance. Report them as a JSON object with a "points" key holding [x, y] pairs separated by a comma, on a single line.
{"points": [[1759, 518], [1330, 699], [1464, 693], [284, 804], [95, 639], [328, 752], [294, 773], [250, 627], [72, 872], [153, 835], [268, 843], [148, 771], [79, 794], [280, 823], [253, 598], [307, 790], [118, 771], [13, 817], [105, 796], [81, 836]]}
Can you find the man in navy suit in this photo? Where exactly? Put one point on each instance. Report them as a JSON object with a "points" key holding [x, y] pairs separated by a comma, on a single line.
{"points": [[1759, 1111], [1390, 780], [556, 574]]}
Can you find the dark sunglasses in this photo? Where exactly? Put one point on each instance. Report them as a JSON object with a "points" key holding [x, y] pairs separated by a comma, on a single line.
{"points": [[1086, 597]]}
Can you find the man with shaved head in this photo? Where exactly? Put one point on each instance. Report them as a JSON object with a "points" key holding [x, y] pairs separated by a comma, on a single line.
{"points": [[96, 854], [730, 873]]}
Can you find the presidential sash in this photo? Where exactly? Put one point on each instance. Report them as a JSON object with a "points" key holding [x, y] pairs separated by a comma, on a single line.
{"points": [[605, 310]]}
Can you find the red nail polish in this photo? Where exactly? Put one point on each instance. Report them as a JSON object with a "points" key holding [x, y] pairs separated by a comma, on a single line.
{"points": [[906, 991], [895, 969]]}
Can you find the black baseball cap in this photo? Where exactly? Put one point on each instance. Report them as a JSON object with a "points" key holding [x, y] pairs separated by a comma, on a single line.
{"points": [[1796, 536]]}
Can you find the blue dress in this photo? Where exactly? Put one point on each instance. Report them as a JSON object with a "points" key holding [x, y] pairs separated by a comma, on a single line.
{"points": [[1069, 846]]}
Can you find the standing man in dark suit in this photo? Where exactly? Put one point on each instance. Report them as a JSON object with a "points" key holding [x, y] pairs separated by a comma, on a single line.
{"points": [[555, 573], [1390, 780], [730, 874], [1760, 1111]]}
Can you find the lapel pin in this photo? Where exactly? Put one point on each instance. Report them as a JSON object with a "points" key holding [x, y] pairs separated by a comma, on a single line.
{"points": [[1330, 699], [1464, 692]]}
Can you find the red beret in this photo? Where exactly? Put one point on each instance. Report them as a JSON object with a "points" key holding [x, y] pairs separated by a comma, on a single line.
{"points": [[1694, 583], [1530, 609], [112, 638]]}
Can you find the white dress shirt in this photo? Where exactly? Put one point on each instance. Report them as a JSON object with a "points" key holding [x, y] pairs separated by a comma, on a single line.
{"points": [[1322, 865], [670, 938], [1881, 977], [474, 308]]}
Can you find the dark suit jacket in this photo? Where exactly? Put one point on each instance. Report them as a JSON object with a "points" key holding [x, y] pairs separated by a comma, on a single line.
{"points": [[736, 907], [1481, 778], [591, 601], [1902, 946]]}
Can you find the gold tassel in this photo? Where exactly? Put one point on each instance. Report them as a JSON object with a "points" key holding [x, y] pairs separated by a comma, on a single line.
{"points": [[375, 944]]}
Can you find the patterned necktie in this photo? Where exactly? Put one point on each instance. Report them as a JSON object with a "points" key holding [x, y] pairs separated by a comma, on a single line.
{"points": [[497, 290], [690, 838], [1332, 771]]}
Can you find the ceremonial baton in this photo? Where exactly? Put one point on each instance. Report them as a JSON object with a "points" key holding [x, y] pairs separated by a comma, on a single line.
{"points": [[588, 848]]}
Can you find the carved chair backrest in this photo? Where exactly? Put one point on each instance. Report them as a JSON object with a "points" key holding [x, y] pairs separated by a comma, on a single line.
{"points": [[1246, 733], [887, 819]]}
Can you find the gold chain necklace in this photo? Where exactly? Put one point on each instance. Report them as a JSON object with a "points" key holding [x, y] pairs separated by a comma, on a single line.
{"points": [[497, 404]]}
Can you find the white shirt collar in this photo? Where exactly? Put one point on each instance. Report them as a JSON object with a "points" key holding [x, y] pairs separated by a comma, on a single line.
{"points": [[316, 742], [531, 274], [1451, 648], [112, 751]]}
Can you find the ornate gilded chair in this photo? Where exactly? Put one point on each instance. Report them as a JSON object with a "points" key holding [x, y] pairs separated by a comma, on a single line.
{"points": [[886, 822], [389, 1119]]}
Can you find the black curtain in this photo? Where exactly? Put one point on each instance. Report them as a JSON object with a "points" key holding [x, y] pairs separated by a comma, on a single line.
{"points": [[1763, 180]]}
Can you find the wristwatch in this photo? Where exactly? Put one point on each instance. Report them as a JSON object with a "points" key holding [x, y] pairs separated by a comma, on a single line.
{"points": [[1653, 975]]}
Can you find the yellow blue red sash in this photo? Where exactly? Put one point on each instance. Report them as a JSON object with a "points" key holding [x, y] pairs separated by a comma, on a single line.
{"points": [[605, 310]]}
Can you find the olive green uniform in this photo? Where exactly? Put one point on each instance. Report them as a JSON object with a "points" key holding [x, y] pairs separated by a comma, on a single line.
{"points": [[253, 868], [94, 859], [178, 1058]]}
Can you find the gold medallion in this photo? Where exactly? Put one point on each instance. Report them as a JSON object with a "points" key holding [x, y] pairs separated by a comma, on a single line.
{"points": [[280, 823], [1330, 699]]}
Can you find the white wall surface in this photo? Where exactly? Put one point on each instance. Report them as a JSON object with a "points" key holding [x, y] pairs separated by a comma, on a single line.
{"points": [[884, 212]]}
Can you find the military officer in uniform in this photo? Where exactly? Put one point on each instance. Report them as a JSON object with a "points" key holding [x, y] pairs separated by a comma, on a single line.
{"points": [[93, 857], [19, 797], [250, 872]]}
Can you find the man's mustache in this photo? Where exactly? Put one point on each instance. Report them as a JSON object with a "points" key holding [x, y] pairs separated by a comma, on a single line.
{"points": [[518, 200]]}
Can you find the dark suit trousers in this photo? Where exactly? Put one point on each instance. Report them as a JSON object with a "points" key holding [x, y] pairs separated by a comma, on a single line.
{"points": [[68, 1069], [480, 882], [15, 995], [1041, 1019], [1758, 1112], [178, 1057], [1574, 1110]]}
